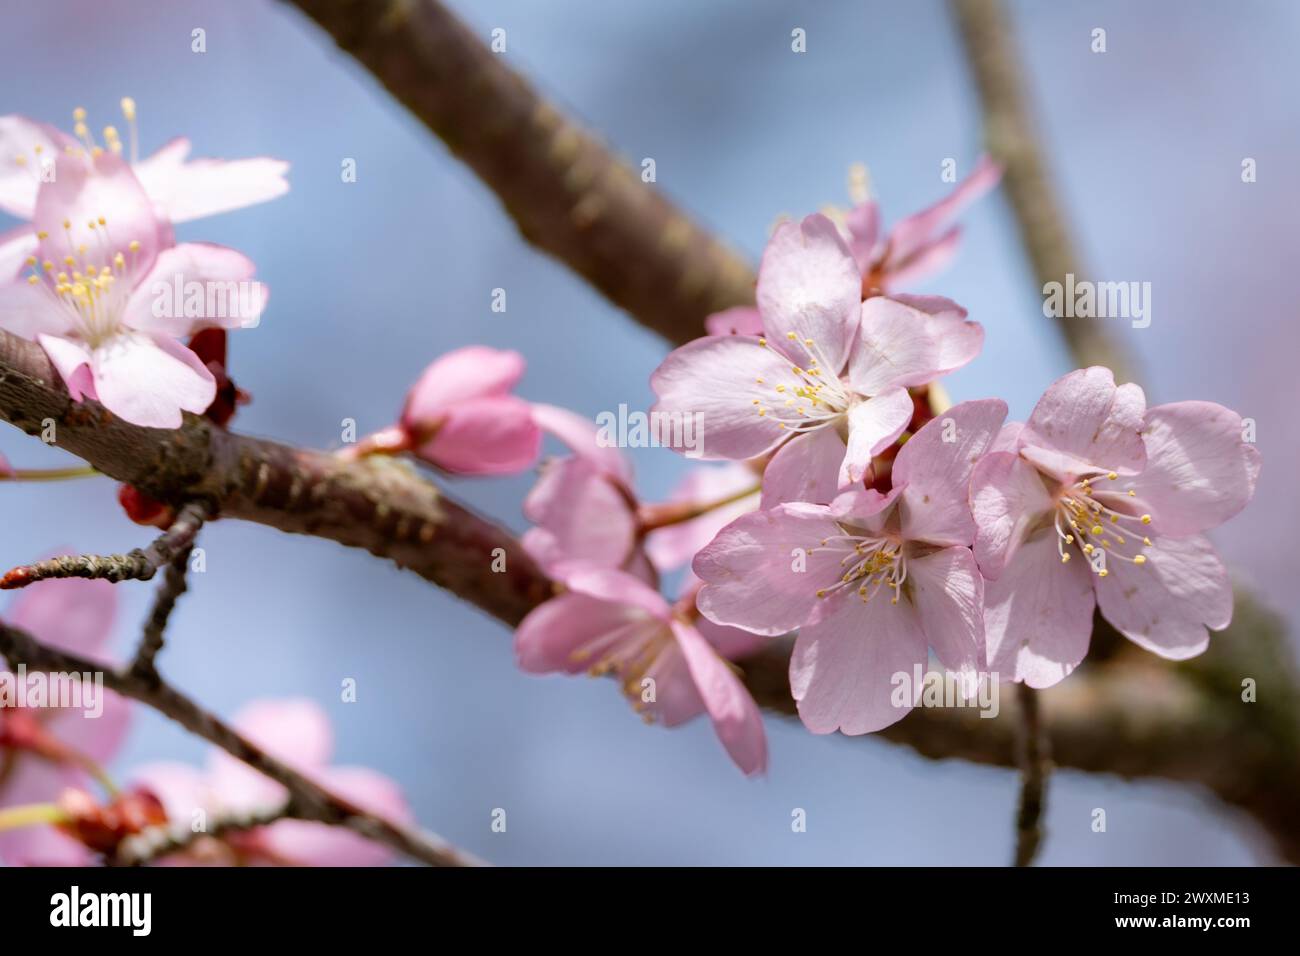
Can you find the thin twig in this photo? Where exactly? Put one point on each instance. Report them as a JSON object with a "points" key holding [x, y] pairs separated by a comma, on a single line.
{"points": [[151, 640], [139, 564], [309, 799], [155, 843], [1035, 765]]}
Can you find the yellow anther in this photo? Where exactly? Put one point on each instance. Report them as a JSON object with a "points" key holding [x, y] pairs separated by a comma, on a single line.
{"points": [[134, 245], [1088, 549], [808, 342], [790, 336], [128, 108], [42, 235], [1096, 529], [821, 592], [762, 341], [32, 280], [1146, 519], [81, 130], [1131, 493], [1112, 475], [1147, 542], [20, 160], [102, 221], [31, 260], [1069, 539], [67, 224], [1102, 573], [79, 114], [1065, 559], [1140, 559]]}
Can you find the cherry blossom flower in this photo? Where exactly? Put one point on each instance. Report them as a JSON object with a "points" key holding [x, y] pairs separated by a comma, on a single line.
{"points": [[105, 262], [609, 621], [871, 581], [46, 750], [179, 188], [918, 245], [826, 385], [460, 416], [297, 732], [1099, 501]]}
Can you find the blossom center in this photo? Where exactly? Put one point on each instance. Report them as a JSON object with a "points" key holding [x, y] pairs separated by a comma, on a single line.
{"points": [[869, 563], [813, 397], [93, 284], [1097, 521]]}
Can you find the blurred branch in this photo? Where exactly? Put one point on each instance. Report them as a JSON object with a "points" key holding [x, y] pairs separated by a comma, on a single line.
{"points": [[989, 41], [308, 799], [1035, 765], [566, 191], [1124, 713]]}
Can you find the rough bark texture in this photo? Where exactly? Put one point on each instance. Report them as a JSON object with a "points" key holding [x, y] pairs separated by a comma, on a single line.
{"points": [[566, 191], [1127, 714]]}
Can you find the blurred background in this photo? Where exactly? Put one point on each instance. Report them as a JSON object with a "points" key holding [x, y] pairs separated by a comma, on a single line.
{"points": [[373, 279]]}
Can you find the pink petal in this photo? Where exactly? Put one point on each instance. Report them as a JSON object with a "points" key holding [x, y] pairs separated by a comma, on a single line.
{"points": [[864, 508], [204, 187], [99, 738], [70, 614], [863, 225], [149, 380], [1038, 614], [72, 359], [676, 544], [763, 570], [607, 584], [1007, 499], [843, 670], [1199, 471], [959, 340], [932, 258], [19, 184], [29, 310], [874, 425], [472, 372], [1166, 604], [721, 378], [806, 468], [38, 781], [742, 320], [895, 348], [182, 789], [733, 643], [582, 437], [935, 506], [556, 635], [16, 246], [809, 284], [485, 436], [734, 714], [581, 516], [229, 299], [1085, 416], [87, 190], [948, 593], [912, 234]]}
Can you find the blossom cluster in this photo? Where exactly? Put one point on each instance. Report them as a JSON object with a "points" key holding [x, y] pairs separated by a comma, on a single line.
{"points": [[858, 509]]}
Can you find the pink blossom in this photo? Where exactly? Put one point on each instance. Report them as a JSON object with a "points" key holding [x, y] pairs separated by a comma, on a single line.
{"points": [[46, 750], [104, 263], [822, 568], [919, 245], [180, 189], [297, 732], [608, 621], [461, 417], [825, 386], [1099, 501]]}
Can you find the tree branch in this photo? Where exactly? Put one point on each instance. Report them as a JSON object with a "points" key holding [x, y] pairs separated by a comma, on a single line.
{"points": [[308, 799], [1126, 713], [989, 41], [566, 191]]}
